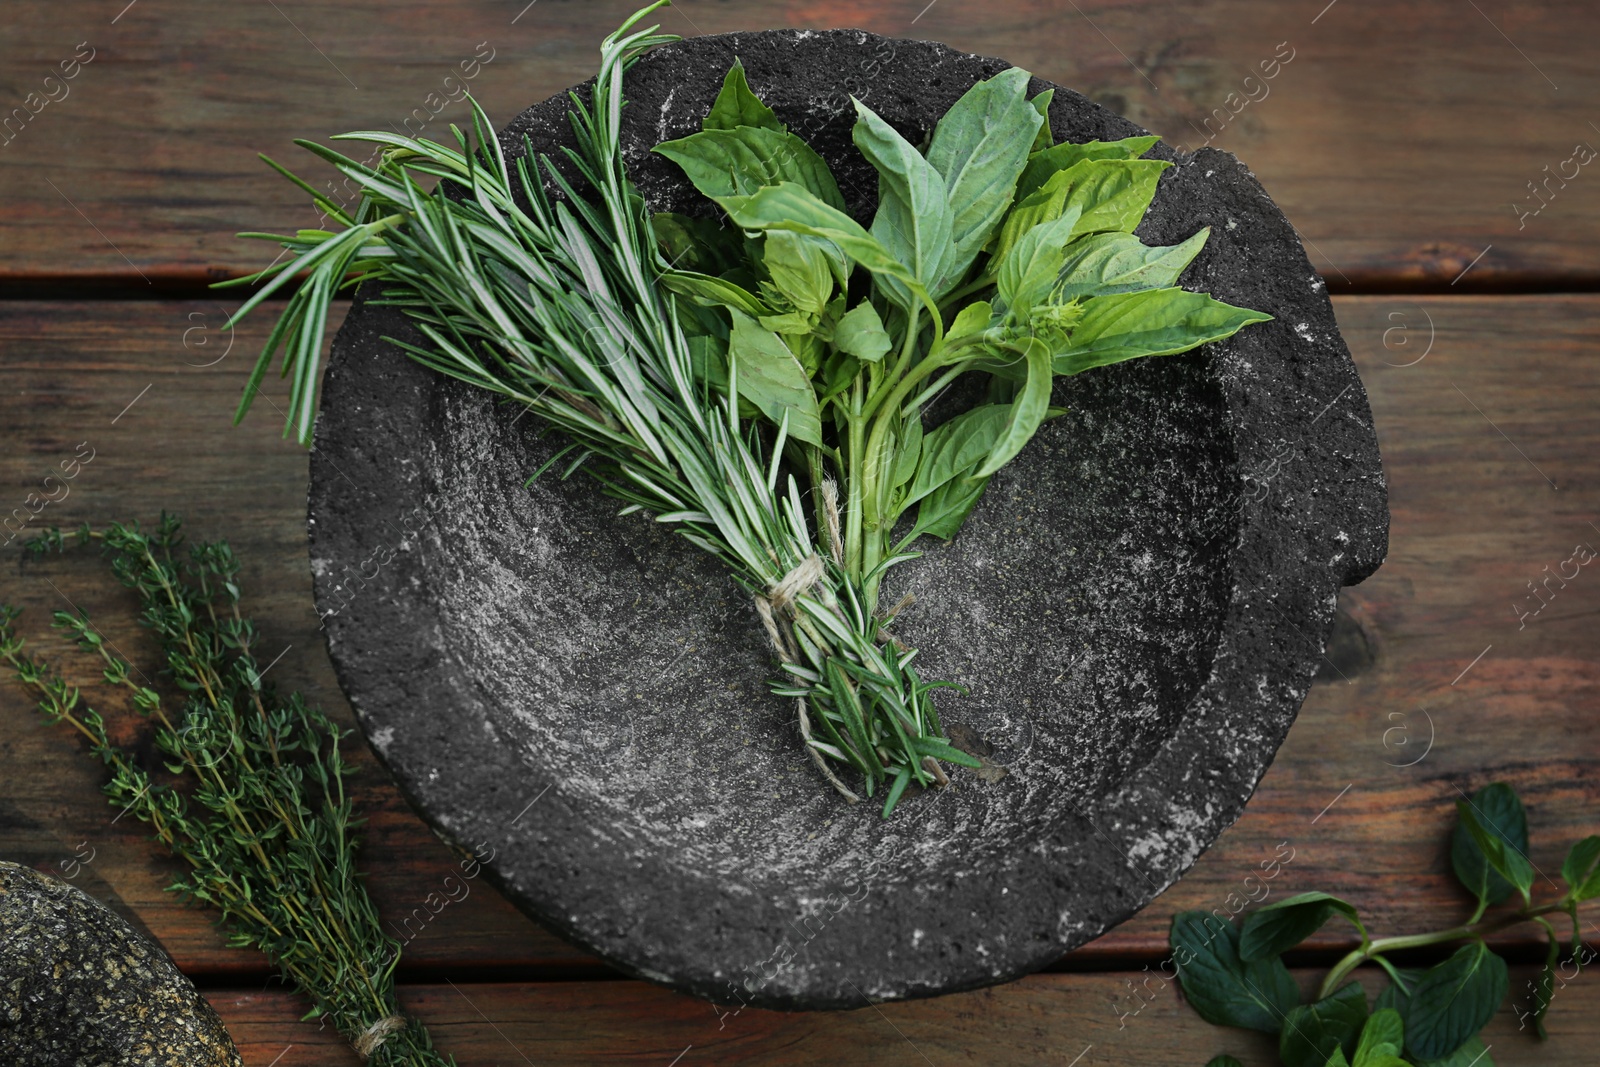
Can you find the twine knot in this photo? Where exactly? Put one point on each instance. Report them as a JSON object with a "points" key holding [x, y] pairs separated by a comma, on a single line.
{"points": [[372, 1038]]}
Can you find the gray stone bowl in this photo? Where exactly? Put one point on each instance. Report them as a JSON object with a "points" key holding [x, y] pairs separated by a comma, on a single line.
{"points": [[1137, 608]]}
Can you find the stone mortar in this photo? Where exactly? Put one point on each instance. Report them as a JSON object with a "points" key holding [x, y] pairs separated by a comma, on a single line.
{"points": [[1138, 607]]}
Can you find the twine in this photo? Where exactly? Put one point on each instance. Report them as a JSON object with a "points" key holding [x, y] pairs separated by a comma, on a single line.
{"points": [[372, 1038]]}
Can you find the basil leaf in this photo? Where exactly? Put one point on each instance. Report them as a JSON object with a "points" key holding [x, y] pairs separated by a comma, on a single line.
{"points": [[737, 106], [1041, 165], [1507, 862], [1044, 138], [974, 318], [708, 360], [1222, 988], [944, 510], [770, 377], [956, 447], [1106, 263], [979, 147], [913, 220], [1312, 1032], [1110, 195], [1028, 271], [800, 269], [1581, 871], [707, 291], [908, 453], [1027, 411], [740, 161], [1452, 1001], [1272, 930], [1471, 1054], [788, 206], [1499, 812], [1154, 322], [860, 332], [1381, 1040]]}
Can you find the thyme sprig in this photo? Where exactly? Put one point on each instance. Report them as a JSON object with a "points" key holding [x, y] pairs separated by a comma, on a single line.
{"points": [[256, 806]]}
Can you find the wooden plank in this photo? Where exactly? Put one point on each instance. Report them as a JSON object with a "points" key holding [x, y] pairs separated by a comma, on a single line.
{"points": [[1401, 141], [1073, 1020], [1473, 522]]}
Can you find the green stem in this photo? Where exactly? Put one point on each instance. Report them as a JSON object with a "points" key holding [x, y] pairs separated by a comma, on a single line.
{"points": [[1357, 957], [853, 456]]}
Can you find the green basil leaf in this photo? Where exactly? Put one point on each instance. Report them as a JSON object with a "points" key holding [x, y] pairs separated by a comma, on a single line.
{"points": [[1154, 322], [1507, 862], [1499, 812], [1454, 1000], [1027, 411], [1581, 871], [1041, 165], [740, 161], [860, 332], [1383, 1036], [707, 291], [913, 220], [800, 269], [770, 377], [1106, 263], [1044, 138], [1311, 1032], [708, 359], [788, 206], [956, 447], [1110, 195], [979, 147], [1222, 988], [907, 453], [1029, 269], [1276, 928], [737, 106], [1471, 1054], [974, 318], [944, 510]]}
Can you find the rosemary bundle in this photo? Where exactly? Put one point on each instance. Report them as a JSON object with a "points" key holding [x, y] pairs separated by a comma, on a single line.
{"points": [[256, 809], [760, 382]]}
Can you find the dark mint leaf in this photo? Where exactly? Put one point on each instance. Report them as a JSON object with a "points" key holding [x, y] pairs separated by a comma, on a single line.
{"points": [[1044, 138], [1276, 928], [770, 377], [1222, 988], [1499, 812], [1581, 871], [1452, 1001], [1110, 195], [1105, 263], [1395, 997], [1027, 411], [788, 206], [737, 106], [914, 220], [1381, 1040], [1223, 1061], [738, 162], [1471, 1054], [1505, 861], [860, 332], [1155, 322], [1041, 165], [1312, 1032], [980, 146]]}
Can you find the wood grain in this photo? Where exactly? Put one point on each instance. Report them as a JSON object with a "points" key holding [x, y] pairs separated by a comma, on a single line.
{"points": [[1502, 400], [1398, 138], [1097, 1020]]}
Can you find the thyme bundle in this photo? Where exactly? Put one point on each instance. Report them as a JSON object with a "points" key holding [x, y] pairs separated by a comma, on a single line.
{"points": [[761, 382], [262, 821]]}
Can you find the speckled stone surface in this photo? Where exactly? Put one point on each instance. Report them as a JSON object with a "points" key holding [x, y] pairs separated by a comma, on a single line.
{"points": [[80, 988], [1137, 606]]}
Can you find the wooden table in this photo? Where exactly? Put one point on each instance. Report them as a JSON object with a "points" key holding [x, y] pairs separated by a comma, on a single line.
{"points": [[1400, 139]]}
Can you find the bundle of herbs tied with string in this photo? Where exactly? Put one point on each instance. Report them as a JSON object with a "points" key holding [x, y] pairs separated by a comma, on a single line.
{"points": [[761, 382]]}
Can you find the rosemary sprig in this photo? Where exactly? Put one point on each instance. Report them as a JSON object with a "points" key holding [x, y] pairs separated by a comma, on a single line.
{"points": [[257, 809]]}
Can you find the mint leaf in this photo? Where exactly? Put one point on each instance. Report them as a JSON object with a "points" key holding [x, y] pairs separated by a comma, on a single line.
{"points": [[737, 106], [1272, 930], [769, 376], [980, 146], [1155, 322], [914, 219], [1507, 862], [1581, 870], [1106, 263], [1223, 1061], [1041, 165], [1027, 411], [1452, 1001], [1313, 1032], [1221, 987], [1497, 811], [740, 161], [860, 332], [1381, 1040], [1471, 1054]]}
